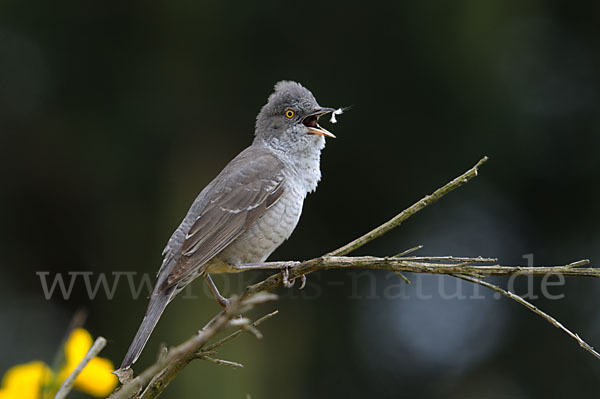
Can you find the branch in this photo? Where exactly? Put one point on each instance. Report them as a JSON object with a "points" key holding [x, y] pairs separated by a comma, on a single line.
{"points": [[156, 378], [442, 265]]}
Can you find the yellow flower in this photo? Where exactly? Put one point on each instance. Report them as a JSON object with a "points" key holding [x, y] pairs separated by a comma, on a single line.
{"points": [[25, 381], [96, 378]]}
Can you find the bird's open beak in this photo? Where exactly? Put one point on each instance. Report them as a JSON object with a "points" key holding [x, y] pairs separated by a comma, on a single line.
{"points": [[312, 122]]}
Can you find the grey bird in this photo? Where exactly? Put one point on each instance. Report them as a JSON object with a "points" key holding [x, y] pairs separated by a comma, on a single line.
{"points": [[249, 209]]}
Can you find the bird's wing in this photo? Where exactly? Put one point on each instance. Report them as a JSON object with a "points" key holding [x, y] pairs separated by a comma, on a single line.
{"points": [[242, 192]]}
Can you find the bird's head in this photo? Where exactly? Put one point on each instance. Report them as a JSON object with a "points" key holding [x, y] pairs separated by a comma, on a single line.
{"points": [[291, 116]]}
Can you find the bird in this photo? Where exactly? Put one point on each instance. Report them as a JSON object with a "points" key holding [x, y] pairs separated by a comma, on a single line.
{"points": [[250, 208]]}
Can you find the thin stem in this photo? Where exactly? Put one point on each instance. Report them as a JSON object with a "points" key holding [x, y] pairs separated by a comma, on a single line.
{"points": [[220, 362], [534, 309], [66, 387], [77, 321], [238, 332]]}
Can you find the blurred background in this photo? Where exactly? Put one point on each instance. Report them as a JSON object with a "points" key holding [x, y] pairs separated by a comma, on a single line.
{"points": [[114, 115]]}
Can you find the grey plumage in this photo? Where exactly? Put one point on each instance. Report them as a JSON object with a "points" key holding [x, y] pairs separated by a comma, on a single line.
{"points": [[250, 208]]}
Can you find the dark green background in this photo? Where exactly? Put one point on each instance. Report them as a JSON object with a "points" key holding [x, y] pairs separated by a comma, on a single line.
{"points": [[114, 115]]}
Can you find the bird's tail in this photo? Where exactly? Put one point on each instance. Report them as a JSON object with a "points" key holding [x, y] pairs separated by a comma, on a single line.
{"points": [[156, 306]]}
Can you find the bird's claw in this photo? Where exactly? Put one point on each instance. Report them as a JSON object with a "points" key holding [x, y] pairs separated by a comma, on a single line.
{"points": [[286, 278], [287, 283], [303, 281]]}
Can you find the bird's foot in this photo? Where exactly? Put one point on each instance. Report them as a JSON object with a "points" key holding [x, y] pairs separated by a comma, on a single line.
{"points": [[283, 266], [287, 283]]}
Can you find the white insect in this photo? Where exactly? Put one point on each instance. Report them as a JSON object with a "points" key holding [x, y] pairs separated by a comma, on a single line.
{"points": [[338, 111]]}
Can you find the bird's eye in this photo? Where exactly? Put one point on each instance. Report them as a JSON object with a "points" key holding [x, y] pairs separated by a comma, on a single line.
{"points": [[289, 114]]}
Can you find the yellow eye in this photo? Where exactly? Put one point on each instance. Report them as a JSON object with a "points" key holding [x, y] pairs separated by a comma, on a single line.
{"points": [[289, 114]]}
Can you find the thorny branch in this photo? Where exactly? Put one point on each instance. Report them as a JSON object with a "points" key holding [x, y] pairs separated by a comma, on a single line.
{"points": [[156, 377]]}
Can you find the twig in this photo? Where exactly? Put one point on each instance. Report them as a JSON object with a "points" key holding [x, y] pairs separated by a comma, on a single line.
{"points": [[534, 309], [238, 332], [478, 259], [220, 362], [579, 263], [408, 212], [205, 353], [409, 251], [66, 387], [403, 277]]}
